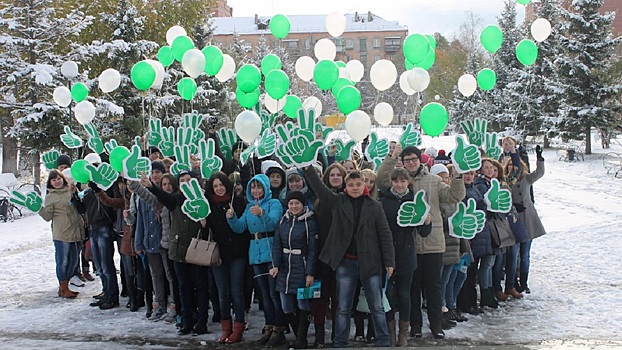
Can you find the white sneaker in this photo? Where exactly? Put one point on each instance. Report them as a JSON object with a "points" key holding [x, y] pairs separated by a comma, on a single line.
{"points": [[75, 281]]}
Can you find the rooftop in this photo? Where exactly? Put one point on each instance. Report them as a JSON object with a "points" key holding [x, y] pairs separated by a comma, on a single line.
{"points": [[365, 22]]}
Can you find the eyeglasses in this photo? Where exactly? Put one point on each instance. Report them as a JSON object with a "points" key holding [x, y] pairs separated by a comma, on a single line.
{"points": [[410, 160]]}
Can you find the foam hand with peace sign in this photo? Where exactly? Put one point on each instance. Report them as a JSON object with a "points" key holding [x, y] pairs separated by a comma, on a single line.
{"points": [[493, 150], [185, 138], [475, 132], [377, 148], [155, 129], [110, 145], [210, 162], [283, 156], [32, 200], [267, 144], [104, 175], [167, 144], [498, 200], [410, 136], [267, 118], [285, 131], [300, 150], [414, 213], [135, 165], [306, 120], [50, 159], [467, 221], [182, 160], [193, 120], [226, 139], [344, 150], [465, 157], [196, 206], [71, 140], [95, 142]]}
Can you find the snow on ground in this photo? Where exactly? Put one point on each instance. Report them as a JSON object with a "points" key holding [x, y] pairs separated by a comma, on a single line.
{"points": [[575, 279]]}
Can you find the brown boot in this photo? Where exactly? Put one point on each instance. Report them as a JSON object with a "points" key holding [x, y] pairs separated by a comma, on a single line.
{"points": [[88, 276], [391, 327], [226, 330], [238, 332], [65, 292], [402, 339], [501, 296], [514, 293], [265, 335]]}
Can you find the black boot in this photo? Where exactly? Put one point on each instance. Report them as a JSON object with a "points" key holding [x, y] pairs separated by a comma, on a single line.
{"points": [[488, 298], [304, 319], [133, 295], [320, 335], [522, 287], [359, 325], [292, 322]]}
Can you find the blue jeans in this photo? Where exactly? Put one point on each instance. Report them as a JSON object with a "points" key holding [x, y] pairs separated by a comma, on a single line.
{"points": [[497, 268], [484, 272], [400, 296], [192, 280], [273, 313], [229, 278], [456, 280], [446, 280], [102, 245], [347, 276], [511, 261], [66, 256], [289, 302], [525, 252]]}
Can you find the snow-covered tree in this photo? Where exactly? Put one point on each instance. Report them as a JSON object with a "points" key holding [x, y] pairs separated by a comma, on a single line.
{"points": [[586, 35], [468, 108]]}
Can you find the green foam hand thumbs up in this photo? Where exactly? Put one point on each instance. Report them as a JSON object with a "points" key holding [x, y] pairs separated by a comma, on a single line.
{"points": [[104, 175], [71, 140], [414, 213], [465, 157], [377, 148], [466, 221], [410, 137], [498, 199], [135, 165]]}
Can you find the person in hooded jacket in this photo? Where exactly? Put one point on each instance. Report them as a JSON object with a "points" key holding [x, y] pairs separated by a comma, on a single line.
{"points": [[274, 171], [260, 218], [295, 254], [295, 181]]}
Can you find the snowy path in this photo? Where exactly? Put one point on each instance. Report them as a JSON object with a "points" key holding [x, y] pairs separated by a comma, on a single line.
{"points": [[576, 280]]}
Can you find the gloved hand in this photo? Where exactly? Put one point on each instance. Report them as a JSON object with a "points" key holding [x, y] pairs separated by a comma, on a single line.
{"points": [[94, 187], [539, 153]]}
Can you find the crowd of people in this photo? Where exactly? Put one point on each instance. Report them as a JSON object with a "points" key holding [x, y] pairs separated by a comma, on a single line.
{"points": [[280, 231]]}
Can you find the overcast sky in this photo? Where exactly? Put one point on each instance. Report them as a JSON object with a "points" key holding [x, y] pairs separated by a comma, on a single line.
{"points": [[420, 16]]}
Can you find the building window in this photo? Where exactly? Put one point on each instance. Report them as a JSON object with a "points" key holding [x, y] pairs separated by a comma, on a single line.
{"points": [[349, 44], [392, 43], [338, 44], [376, 43], [291, 44], [308, 43], [376, 58], [364, 59], [363, 44]]}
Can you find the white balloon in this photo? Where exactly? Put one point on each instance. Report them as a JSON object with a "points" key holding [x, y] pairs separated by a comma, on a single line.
{"points": [[227, 70], [248, 126], [345, 73], [304, 67], [85, 112], [313, 102], [274, 106], [358, 125], [356, 69], [404, 84], [467, 84], [383, 113], [62, 96], [383, 74], [109, 80], [418, 79], [325, 49], [159, 69], [93, 158], [69, 69], [173, 32], [67, 175], [335, 24], [193, 63], [540, 29]]}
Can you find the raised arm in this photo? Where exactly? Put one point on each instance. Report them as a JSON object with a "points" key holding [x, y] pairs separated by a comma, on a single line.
{"points": [[323, 193], [537, 174], [144, 194], [453, 193], [170, 201], [131, 218]]}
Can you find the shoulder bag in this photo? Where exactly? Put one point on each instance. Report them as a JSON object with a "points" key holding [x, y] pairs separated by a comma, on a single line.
{"points": [[203, 252]]}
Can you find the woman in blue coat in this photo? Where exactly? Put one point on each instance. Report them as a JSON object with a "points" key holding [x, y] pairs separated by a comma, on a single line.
{"points": [[295, 256], [260, 218]]}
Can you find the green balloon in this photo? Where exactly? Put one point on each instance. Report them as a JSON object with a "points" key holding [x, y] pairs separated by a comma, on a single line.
{"points": [[248, 77], [247, 99], [269, 63], [79, 92], [416, 48], [79, 172], [432, 41], [349, 99], [213, 60], [277, 84], [142, 75], [486, 79], [340, 84], [187, 88], [523, 2], [325, 74], [428, 61], [117, 156], [491, 38], [433, 118], [527, 52], [180, 45], [279, 26], [408, 65], [165, 56], [292, 105], [341, 64]]}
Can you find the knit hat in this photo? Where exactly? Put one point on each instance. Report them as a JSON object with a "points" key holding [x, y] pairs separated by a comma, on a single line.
{"points": [[411, 150], [154, 149], [297, 195], [184, 172], [292, 171], [438, 169], [63, 159], [157, 165], [441, 152], [431, 151]]}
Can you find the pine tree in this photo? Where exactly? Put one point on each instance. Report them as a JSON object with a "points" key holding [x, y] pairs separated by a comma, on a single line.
{"points": [[477, 105], [589, 98]]}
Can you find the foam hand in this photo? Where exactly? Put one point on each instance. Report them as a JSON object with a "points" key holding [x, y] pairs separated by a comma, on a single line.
{"points": [[465, 157], [414, 213], [32, 200], [195, 206], [497, 199]]}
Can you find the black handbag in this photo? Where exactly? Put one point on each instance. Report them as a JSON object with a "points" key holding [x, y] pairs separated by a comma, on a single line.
{"points": [[500, 232]]}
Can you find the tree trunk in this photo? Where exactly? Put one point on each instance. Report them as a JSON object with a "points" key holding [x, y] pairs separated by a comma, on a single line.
{"points": [[588, 139], [546, 142], [9, 155], [37, 168]]}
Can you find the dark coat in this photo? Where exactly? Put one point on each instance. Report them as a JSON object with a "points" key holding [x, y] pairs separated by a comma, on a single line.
{"points": [[374, 241], [295, 232], [97, 213], [231, 244], [481, 244]]}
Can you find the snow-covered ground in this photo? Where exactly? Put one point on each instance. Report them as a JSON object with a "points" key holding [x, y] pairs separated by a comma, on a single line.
{"points": [[576, 282]]}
